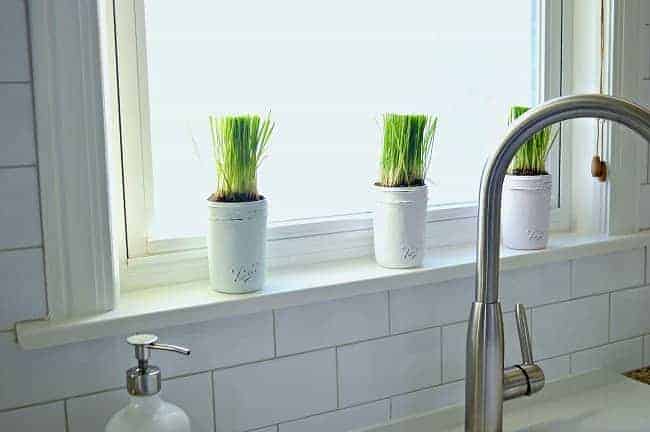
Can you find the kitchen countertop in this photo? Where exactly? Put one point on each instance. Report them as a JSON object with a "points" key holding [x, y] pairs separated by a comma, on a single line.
{"points": [[597, 401]]}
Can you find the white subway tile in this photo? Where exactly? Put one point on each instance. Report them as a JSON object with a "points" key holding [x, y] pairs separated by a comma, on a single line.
{"points": [[218, 343], [630, 313], [17, 125], [556, 368], [379, 368], [50, 417], [13, 41], [535, 286], [428, 399], [454, 338], [336, 322], [646, 350], [20, 221], [54, 373], [647, 264], [562, 328], [644, 199], [344, 420], [603, 273], [261, 394], [642, 159], [191, 393], [22, 291], [620, 357], [430, 305]]}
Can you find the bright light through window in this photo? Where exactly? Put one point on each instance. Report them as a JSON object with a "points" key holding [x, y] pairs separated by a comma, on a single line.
{"points": [[326, 71]]}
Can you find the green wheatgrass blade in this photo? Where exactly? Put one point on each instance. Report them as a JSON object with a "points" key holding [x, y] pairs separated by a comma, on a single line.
{"points": [[239, 144], [407, 148], [530, 159]]}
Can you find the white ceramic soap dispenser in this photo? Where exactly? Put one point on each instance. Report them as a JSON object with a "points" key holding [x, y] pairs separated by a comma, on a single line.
{"points": [[147, 412]]}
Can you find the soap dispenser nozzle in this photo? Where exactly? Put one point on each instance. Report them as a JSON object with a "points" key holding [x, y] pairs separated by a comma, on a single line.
{"points": [[144, 379]]}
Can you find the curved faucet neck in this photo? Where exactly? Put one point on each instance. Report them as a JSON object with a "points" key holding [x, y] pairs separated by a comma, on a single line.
{"points": [[611, 108]]}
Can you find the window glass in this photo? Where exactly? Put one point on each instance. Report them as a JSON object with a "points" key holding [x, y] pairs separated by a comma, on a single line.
{"points": [[326, 71]]}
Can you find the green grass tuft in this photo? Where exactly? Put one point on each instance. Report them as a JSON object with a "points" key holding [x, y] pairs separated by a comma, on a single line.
{"points": [[239, 144], [530, 159], [407, 148]]}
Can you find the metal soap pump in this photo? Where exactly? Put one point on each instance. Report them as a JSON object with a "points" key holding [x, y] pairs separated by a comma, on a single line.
{"points": [[147, 412]]}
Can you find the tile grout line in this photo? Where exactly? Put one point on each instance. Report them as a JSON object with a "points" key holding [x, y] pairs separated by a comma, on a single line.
{"points": [[572, 264], [275, 335], [65, 415], [442, 363], [21, 248], [213, 402], [306, 417], [17, 166], [337, 377], [46, 402], [645, 262], [609, 317]]}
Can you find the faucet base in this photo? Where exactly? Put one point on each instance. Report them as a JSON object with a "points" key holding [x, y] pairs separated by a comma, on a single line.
{"points": [[484, 369]]}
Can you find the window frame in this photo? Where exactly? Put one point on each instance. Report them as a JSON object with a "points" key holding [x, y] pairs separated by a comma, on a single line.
{"points": [[299, 241], [80, 171]]}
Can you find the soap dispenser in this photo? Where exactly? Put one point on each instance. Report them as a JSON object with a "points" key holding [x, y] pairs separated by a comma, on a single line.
{"points": [[147, 412]]}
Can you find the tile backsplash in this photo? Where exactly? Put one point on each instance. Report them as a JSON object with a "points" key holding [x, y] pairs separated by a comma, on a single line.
{"points": [[338, 364], [331, 366]]}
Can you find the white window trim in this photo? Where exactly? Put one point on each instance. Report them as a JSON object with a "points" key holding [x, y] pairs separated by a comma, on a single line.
{"points": [[290, 242], [68, 97], [73, 134], [623, 146], [173, 305]]}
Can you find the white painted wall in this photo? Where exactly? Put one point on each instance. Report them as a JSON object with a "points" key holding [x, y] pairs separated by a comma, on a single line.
{"points": [[297, 369]]}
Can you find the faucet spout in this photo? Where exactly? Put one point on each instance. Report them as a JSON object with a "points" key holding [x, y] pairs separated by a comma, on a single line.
{"points": [[484, 393]]}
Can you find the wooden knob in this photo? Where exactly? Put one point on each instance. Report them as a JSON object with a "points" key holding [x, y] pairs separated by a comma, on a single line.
{"points": [[598, 169]]}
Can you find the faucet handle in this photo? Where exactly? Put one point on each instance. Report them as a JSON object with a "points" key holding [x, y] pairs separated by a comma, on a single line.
{"points": [[524, 334], [526, 378]]}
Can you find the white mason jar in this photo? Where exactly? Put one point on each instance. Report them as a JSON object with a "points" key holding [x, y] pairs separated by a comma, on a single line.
{"points": [[399, 226], [237, 245], [526, 211]]}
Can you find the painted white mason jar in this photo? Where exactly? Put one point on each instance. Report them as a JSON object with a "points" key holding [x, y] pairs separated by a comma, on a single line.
{"points": [[237, 245], [526, 211], [399, 226]]}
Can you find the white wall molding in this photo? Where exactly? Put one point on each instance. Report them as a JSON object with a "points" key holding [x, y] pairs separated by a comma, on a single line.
{"points": [[581, 36], [72, 157], [611, 207], [624, 146]]}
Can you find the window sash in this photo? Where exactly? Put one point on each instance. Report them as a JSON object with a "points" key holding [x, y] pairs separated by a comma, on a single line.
{"points": [[293, 240]]}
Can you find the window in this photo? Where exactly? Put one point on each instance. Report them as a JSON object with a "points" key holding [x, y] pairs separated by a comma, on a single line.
{"points": [[326, 71]]}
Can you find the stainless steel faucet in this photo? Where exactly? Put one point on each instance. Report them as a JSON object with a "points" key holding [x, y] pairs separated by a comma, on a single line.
{"points": [[487, 383]]}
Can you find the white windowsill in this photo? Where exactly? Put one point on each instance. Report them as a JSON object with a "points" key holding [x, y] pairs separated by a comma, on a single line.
{"points": [[173, 305]]}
